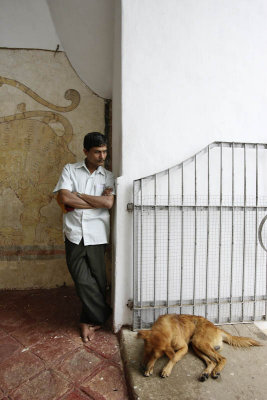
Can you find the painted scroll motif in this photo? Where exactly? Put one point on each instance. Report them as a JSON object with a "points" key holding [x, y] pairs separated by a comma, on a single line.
{"points": [[34, 149]]}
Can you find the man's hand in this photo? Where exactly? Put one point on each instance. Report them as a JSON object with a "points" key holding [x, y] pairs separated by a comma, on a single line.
{"points": [[68, 208], [64, 207], [107, 191]]}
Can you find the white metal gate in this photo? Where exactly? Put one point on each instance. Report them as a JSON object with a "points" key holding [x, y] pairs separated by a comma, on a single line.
{"points": [[196, 247]]}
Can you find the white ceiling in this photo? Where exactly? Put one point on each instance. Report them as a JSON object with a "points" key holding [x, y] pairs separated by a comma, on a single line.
{"points": [[86, 29]]}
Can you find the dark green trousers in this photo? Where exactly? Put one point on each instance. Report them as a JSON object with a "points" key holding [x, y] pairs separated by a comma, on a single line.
{"points": [[86, 265]]}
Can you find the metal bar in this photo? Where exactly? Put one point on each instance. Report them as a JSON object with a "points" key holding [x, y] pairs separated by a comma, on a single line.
{"points": [[201, 302], [215, 144], [266, 289], [232, 241], [168, 238], [244, 230], [220, 239], [182, 238], [155, 242], [135, 278], [195, 244], [141, 251], [202, 208], [256, 233], [208, 237], [239, 144]]}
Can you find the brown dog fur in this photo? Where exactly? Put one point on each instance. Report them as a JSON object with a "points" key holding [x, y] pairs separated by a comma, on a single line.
{"points": [[171, 335]]}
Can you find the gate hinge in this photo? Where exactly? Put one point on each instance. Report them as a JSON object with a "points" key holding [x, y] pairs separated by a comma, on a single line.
{"points": [[130, 207], [130, 304]]}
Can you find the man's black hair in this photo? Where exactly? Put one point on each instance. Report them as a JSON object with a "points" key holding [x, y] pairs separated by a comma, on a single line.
{"points": [[94, 139]]}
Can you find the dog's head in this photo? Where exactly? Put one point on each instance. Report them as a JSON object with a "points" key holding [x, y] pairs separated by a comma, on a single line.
{"points": [[153, 344]]}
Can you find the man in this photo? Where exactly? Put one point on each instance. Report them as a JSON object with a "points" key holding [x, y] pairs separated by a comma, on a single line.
{"points": [[86, 189]]}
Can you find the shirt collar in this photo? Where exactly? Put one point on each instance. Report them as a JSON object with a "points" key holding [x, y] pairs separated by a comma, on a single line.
{"points": [[80, 164], [99, 170]]}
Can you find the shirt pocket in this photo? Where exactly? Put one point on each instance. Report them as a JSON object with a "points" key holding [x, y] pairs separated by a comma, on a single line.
{"points": [[98, 189]]}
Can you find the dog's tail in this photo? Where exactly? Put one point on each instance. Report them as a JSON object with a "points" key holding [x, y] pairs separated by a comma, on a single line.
{"points": [[239, 341]]}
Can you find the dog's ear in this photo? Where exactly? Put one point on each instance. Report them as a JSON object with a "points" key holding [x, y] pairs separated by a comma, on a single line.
{"points": [[144, 334]]}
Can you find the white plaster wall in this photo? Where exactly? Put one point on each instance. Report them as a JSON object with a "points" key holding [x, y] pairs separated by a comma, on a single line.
{"points": [[116, 93], [27, 24], [116, 133], [86, 30], [192, 72]]}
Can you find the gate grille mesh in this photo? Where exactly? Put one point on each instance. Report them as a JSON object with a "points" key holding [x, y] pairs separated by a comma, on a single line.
{"points": [[196, 249]]}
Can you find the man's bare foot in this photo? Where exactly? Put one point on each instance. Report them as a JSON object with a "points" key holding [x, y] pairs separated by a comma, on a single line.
{"points": [[88, 331]]}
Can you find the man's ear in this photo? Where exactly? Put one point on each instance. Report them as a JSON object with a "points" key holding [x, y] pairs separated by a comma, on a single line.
{"points": [[144, 334]]}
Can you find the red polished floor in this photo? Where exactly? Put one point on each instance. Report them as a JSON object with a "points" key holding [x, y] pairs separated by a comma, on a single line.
{"points": [[42, 356]]}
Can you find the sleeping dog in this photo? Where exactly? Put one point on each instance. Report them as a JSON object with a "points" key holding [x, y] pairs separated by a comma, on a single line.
{"points": [[172, 333]]}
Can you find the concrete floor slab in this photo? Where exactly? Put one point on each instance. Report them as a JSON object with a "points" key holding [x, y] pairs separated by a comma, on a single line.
{"points": [[243, 378]]}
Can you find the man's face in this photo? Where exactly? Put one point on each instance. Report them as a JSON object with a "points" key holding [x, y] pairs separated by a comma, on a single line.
{"points": [[96, 156]]}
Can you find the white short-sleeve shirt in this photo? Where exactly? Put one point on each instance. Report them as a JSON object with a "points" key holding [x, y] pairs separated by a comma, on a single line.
{"points": [[93, 224]]}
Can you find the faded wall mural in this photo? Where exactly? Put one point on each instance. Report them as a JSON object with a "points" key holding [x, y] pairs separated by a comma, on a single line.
{"points": [[45, 110]]}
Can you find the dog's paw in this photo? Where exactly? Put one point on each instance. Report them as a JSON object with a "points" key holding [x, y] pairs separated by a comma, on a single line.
{"points": [[203, 377], [164, 373], [215, 375], [148, 372]]}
